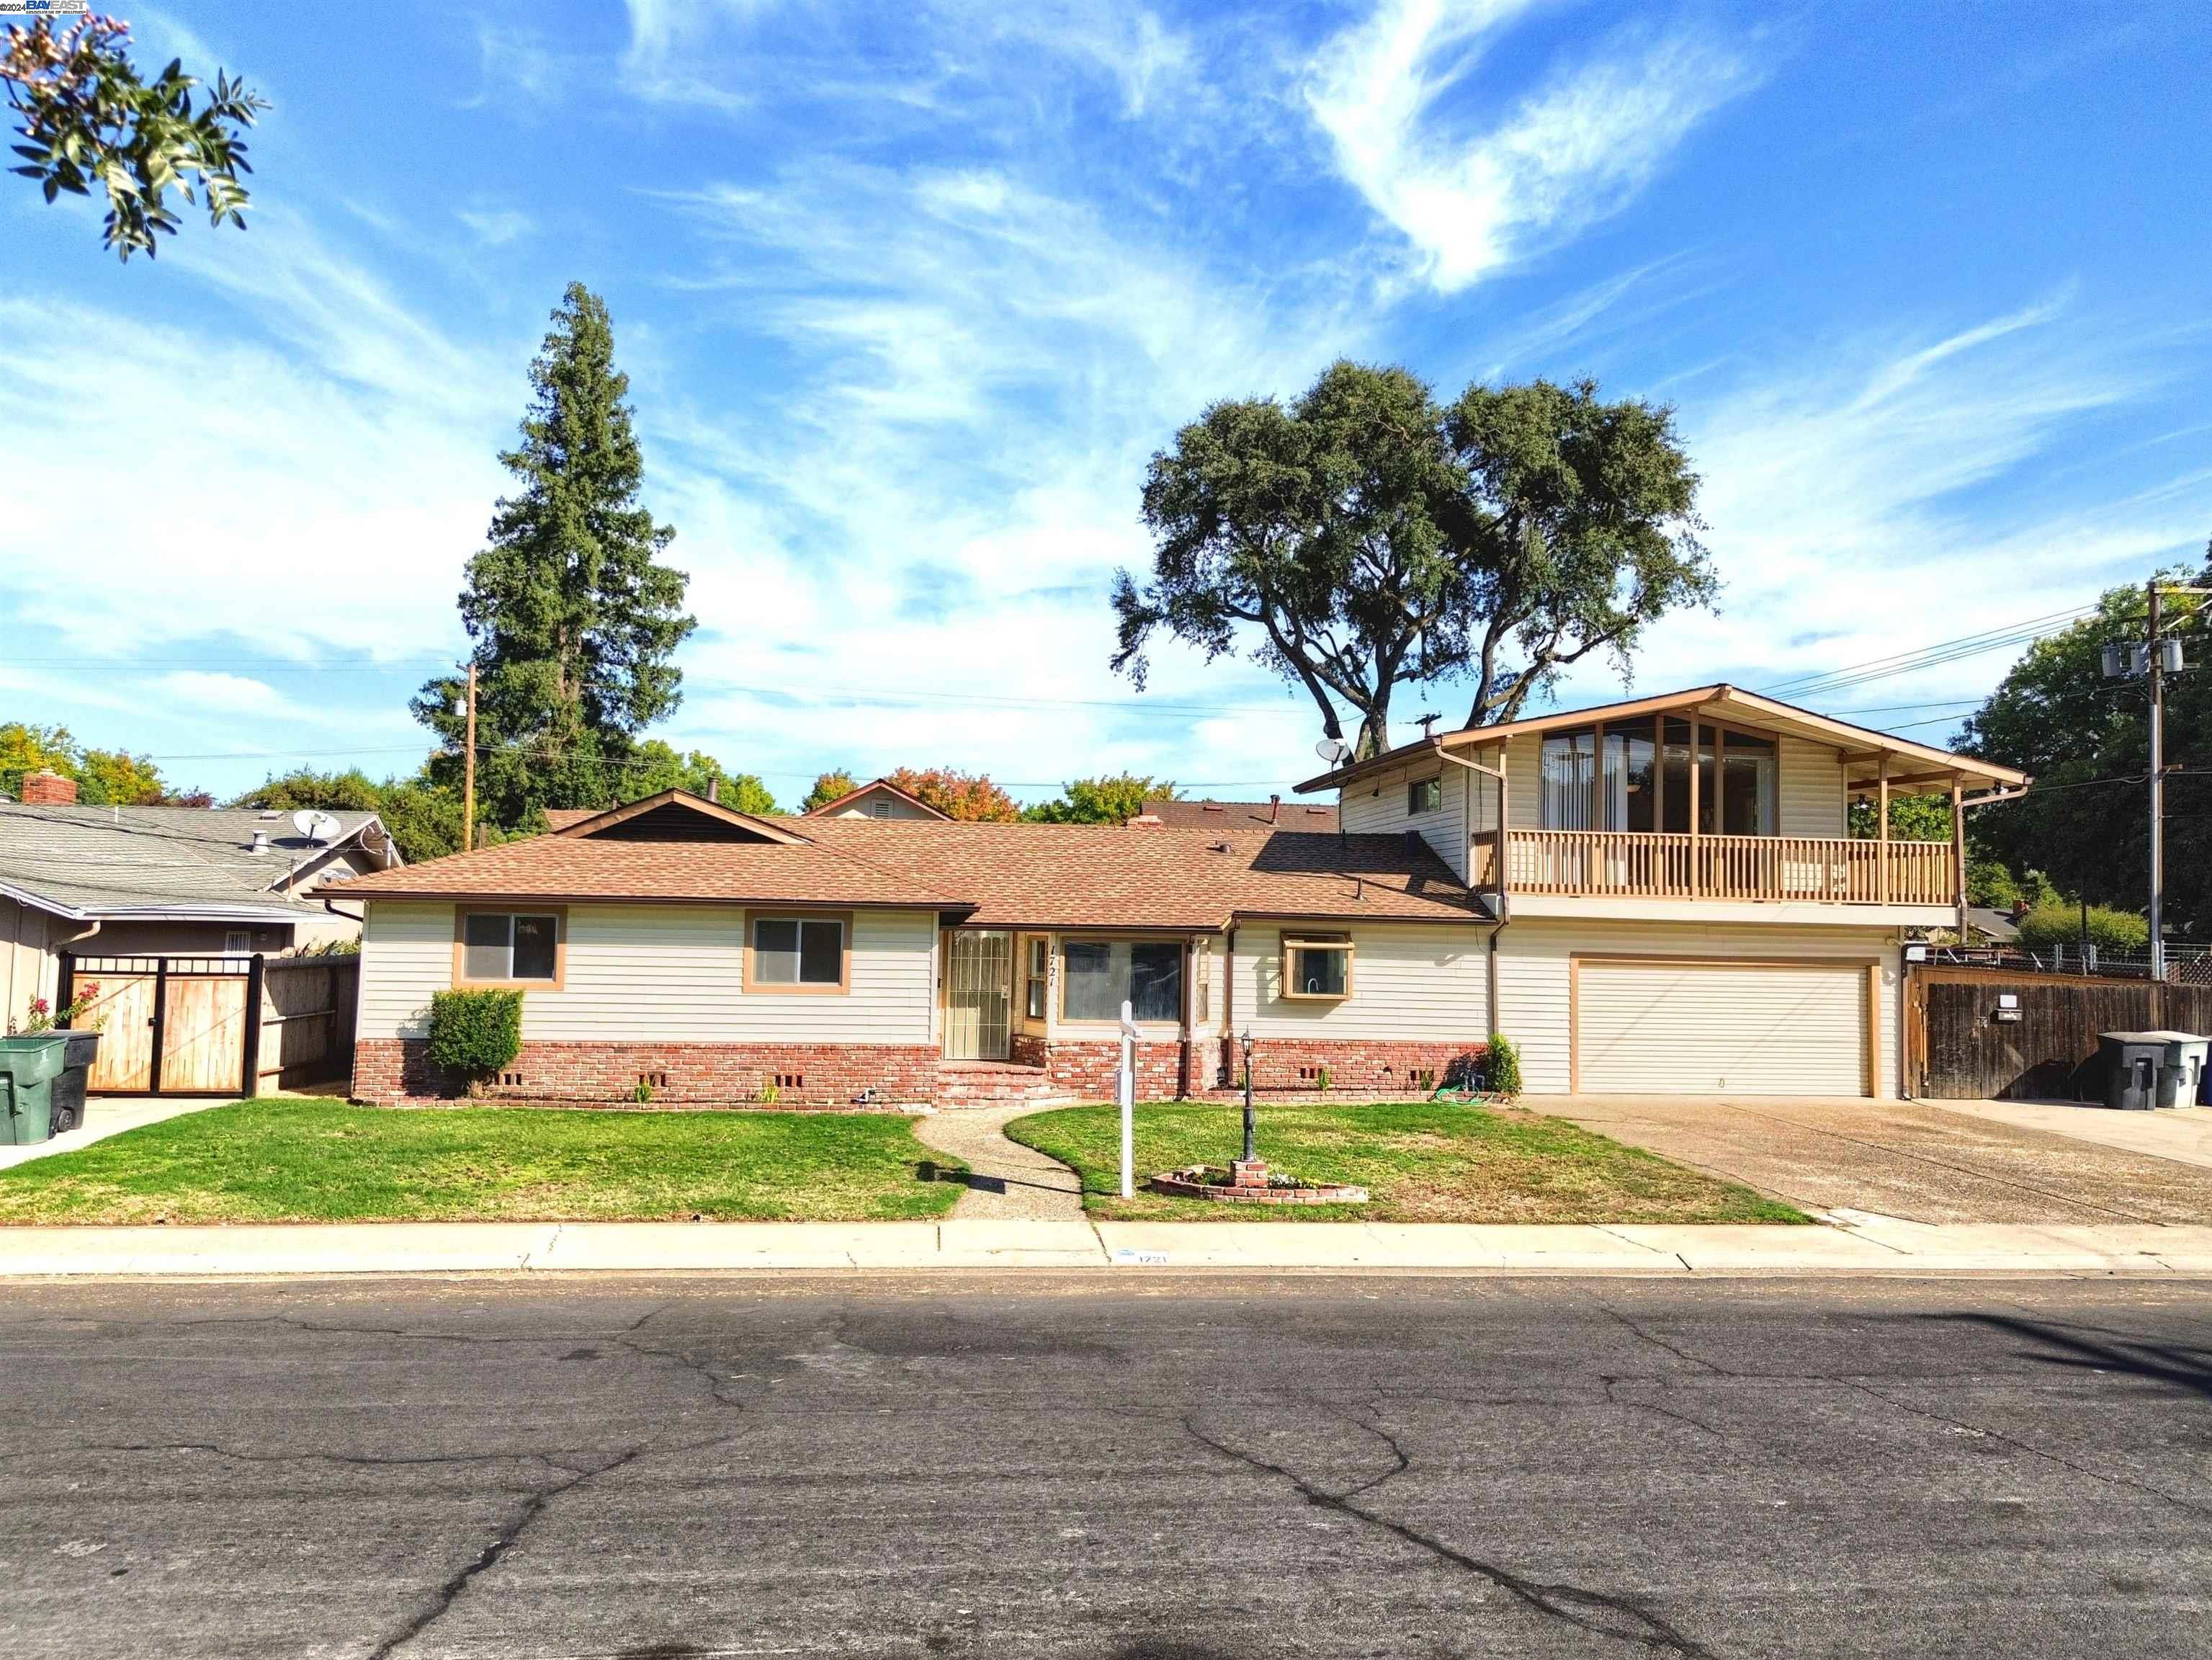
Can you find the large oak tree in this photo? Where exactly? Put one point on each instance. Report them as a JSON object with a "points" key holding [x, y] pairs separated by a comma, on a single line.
{"points": [[1365, 538]]}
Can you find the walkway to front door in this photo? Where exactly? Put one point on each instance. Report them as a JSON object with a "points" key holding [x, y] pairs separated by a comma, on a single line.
{"points": [[978, 995]]}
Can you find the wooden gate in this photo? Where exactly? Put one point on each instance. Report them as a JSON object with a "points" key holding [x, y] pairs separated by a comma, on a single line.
{"points": [[170, 1025], [1963, 1042]]}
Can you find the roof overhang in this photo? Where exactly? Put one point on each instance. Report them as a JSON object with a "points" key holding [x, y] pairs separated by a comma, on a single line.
{"points": [[1923, 764], [754, 901]]}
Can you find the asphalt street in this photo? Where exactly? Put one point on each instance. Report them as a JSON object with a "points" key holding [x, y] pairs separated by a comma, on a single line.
{"points": [[1181, 1468]]}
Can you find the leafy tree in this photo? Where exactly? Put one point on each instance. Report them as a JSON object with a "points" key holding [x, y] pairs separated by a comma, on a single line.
{"points": [[87, 117], [1911, 819], [655, 766], [351, 791], [103, 777], [2084, 740], [1366, 537], [575, 620], [1578, 526], [1107, 801], [966, 795], [1313, 531], [828, 786], [2058, 923]]}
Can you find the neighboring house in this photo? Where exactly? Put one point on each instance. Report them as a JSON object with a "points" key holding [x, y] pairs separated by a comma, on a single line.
{"points": [[1241, 815], [141, 881], [1655, 896], [878, 799]]}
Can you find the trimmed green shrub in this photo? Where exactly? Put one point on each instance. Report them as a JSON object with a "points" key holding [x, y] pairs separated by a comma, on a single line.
{"points": [[474, 1033], [1501, 1065], [2060, 924]]}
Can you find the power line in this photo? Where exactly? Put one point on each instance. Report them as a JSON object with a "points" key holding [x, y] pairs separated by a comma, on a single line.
{"points": [[1932, 655]]}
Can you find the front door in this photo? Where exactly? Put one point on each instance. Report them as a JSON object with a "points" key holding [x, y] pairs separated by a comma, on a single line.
{"points": [[978, 998]]}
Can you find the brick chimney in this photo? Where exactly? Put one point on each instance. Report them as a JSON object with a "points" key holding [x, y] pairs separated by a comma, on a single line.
{"points": [[49, 789]]}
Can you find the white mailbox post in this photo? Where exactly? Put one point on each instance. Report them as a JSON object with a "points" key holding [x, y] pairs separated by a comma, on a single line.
{"points": [[1125, 1092]]}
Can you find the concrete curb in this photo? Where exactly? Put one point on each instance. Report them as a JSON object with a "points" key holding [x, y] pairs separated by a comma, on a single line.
{"points": [[1852, 1243]]}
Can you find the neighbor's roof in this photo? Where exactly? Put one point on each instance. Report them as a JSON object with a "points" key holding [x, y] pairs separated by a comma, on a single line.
{"points": [[876, 787], [81, 861], [1860, 745], [994, 875], [1225, 815]]}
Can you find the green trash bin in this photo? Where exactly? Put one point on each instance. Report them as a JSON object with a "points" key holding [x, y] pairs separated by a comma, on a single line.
{"points": [[28, 1066]]}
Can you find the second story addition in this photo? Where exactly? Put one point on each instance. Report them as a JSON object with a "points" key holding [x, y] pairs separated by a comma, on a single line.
{"points": [[1677, 805]]}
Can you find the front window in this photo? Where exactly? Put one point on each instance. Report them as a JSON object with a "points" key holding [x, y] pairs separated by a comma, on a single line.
{"points": [[1040, 954], [802, 952], [1319, 970], [1098, 976], [502, 946]]}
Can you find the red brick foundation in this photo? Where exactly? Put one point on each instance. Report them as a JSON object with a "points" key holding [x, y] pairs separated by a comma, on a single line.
{"points": [[680, 1074], [1282, 1068], [830, 1075]]}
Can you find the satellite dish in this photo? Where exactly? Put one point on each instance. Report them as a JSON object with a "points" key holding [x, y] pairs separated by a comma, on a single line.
{"points": [[316, 825], [1334, 750]]}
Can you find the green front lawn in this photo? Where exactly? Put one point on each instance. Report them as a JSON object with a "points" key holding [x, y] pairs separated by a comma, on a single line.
{"points": [[325, 1161], [1419, 1161]]}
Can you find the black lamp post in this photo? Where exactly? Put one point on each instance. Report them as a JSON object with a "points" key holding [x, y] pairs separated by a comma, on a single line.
{"points": [[1249, 1154]]}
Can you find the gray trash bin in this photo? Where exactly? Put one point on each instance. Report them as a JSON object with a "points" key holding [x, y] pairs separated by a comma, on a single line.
{"points": [[2181, 1083], [2133, 1063]]}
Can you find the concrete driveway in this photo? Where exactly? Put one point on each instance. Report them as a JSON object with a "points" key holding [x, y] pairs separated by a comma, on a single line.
{"points": [[1925, 1161]]}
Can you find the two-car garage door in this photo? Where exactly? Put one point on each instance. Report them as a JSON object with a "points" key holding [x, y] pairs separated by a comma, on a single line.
{"points": [[1669, 1026]]}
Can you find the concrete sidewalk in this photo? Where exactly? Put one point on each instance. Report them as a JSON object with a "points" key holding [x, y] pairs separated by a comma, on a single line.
{"points": [[1852, 1243]]}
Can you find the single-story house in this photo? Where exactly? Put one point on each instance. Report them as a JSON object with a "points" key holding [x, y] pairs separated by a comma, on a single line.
{"points": [[112, 881], [1658, 895], [878, 799]]}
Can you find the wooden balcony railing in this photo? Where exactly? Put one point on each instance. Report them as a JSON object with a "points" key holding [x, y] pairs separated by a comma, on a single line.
{"points": [[1813, 870]]}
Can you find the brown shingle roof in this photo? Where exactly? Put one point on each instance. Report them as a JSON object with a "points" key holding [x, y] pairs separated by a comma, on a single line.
{"points": [[1007, 875], [1224, 815]]}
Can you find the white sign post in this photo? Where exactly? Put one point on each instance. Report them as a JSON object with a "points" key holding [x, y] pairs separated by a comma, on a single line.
{"points": [[1125, 1092]]}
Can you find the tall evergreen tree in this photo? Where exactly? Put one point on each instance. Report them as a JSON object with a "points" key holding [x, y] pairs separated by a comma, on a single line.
{"points": [[575, 620]]}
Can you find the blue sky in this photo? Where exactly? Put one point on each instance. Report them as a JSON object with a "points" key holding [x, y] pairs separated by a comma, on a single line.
{"points": [[909, 295]]}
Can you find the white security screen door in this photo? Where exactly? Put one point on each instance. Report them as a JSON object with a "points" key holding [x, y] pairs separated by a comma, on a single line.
{"points": [[978, 996]]}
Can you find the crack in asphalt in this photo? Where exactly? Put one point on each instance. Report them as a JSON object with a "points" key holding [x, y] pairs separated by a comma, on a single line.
{"points": [[533, 1506], [2027, 1447], [1612, 1382], [1575, 1605], [363, 1461], [1661, 1343]]}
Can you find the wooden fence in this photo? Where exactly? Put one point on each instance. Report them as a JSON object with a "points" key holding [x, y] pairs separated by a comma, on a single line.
{"points": [[180, 1025], [1963, 1044]]}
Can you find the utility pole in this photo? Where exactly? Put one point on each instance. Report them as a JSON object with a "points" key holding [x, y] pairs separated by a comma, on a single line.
{"points": [[2157, 792], [468, 774]]}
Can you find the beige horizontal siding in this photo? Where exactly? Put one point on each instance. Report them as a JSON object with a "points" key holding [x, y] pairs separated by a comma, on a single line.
{"points": [[674, 972], [1532, 971], [1416, 984], [1376, 807]]}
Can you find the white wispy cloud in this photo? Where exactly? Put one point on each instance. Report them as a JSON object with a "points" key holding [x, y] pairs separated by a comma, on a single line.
{"points": [[495, 226], [1882, 491], [1472, 195]]}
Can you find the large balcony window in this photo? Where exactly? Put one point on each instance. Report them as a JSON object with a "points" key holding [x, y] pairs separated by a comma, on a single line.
{"points": [[1637, 777]]}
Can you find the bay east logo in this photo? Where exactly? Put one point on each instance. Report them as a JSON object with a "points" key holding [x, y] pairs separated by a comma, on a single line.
{"points": [[45, 8]]}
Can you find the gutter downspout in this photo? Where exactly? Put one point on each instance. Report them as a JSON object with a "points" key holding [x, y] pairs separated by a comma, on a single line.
{"points": [[1504, 904], [61, 949]]}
